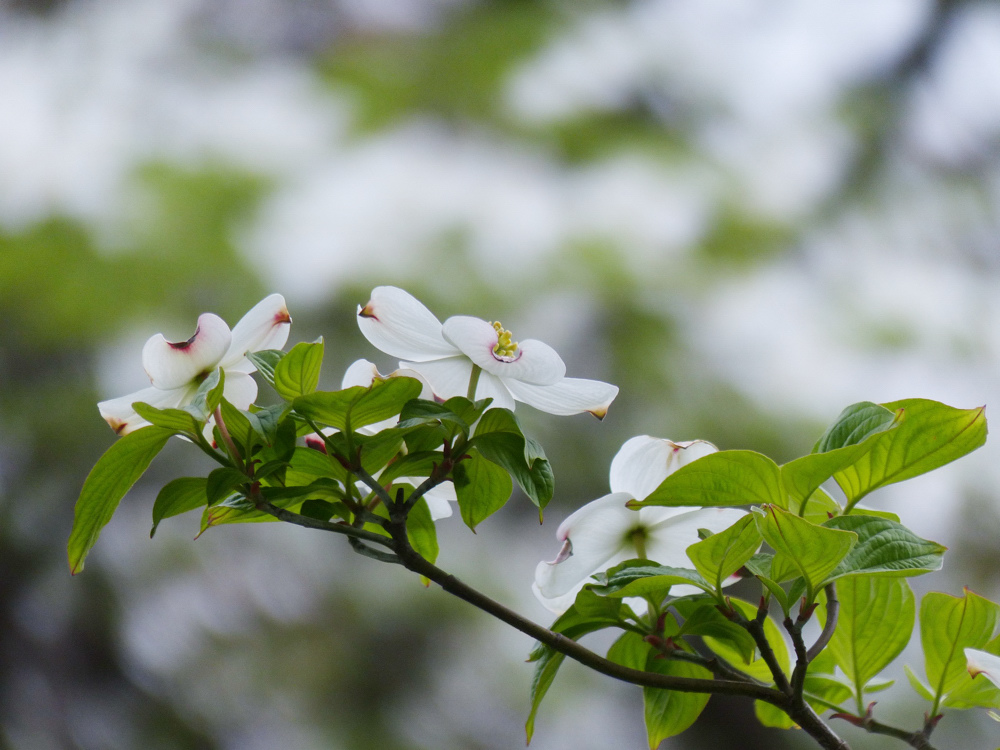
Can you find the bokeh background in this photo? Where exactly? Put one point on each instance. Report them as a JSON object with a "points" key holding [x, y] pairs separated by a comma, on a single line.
{"points": [[747, 214]]}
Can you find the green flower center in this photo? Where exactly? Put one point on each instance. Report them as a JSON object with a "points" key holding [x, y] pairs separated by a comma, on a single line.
{"points": [[638, 539], [506, 350]]}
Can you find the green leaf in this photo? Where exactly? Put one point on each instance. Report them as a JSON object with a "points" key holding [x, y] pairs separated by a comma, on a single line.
{"points": [[419, 464], [178, 496], [757, 668], [265, 420], [721, 479], [875, 624], [643, 578], [176, 420], [819, 508], [855, 432], [358, 405], [949, 624], [979, 691], [855, 425], [232, 510], [112, 476], [828, 689], [670, 712], [500, 439], [722, 554], [379, 449], [702, 617], [321, 510], [240, 428], [878, 685], [918, 685], [814, 550], [222, 482], [323, 487], [482, 488], [667, 712], [266, 361], [929, 435], [771, 569], [308, 464], [265, 470], [297, 373], [546, 667], [421, 411], [209, 395], [421, 531], [587, 614], [772, 716], [885, 548]]}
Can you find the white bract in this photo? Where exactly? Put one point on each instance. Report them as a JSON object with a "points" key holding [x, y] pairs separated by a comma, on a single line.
{"points": [[177, 369], [445, 355], [984, 663], [604, 532]]}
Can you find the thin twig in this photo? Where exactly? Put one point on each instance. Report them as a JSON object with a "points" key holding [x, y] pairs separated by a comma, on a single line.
{"points": [[756, 630], [314, 523], [832, 615], [919, 739], [794, 629], [413, 561]]}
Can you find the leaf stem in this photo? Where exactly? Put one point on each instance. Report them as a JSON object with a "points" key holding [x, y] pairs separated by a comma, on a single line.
{"points": [[227, 439]]}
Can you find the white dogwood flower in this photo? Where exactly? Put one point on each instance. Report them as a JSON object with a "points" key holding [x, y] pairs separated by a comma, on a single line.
{"points": [[176, 369], [604, 532], [465, 349]]}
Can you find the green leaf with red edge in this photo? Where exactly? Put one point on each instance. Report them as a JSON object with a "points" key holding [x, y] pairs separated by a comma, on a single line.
{"points": [[112, 476], [856, 431], [814, 550], [949, 624], [929, 435]]}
